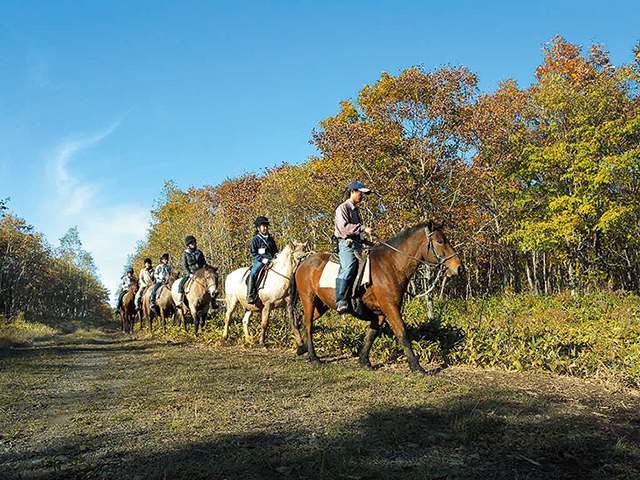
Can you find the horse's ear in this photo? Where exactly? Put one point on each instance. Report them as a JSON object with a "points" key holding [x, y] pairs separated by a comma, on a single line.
{"points": [[430, 226]]}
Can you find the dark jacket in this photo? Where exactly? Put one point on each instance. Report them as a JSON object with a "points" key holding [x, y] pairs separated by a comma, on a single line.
{"points": [[262, 248], [192, 261]]}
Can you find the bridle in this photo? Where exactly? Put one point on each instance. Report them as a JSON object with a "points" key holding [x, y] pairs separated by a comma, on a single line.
{"points": [[206, 285], [441, 260]]}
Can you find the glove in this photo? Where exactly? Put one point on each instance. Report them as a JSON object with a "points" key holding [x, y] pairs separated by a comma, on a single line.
{"points": [[265, 261]]}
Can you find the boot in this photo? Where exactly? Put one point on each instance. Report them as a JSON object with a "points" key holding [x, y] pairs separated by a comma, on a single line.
{"points": [[251, 296], [342, 288]]}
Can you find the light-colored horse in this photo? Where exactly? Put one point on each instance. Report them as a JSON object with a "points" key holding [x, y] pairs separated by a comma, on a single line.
{"points": [[202, 291], [166, 306], [272, 293]]}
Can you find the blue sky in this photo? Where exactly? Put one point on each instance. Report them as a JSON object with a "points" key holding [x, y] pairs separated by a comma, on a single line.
{"points": [[102, 102]]}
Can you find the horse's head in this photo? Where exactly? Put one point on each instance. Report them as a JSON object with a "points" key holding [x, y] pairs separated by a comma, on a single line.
{"points": [[440, 251], [210, 275], [298, 249]]}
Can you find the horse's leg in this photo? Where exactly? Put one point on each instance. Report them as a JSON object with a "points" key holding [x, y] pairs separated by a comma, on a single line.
{"points": [[372, 334], [196, 321], [232, 303], [181, 320], [245, 326], [311, 312], [395, 320], [266, 311]]}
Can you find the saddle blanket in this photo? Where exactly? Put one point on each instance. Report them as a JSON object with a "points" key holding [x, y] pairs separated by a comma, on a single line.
{"points": [[331, 270]]}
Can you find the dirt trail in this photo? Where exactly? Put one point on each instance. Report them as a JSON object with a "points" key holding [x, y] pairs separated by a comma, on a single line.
{"points": [[106, 405]]}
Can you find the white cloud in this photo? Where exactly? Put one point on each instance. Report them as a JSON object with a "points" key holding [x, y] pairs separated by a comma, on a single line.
{"points": [[109, 233], [74, 195], [110, 236]]}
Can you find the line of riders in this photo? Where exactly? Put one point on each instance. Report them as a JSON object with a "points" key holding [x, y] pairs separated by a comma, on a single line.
{"points": [[347, 235]]}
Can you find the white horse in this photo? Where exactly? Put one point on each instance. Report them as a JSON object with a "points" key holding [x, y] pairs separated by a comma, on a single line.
{"points": [[273, 291]]}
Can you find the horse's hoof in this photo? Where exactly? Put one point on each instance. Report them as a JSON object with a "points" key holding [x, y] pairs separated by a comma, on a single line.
{"points": [[315, 361], [223, 343], [301, 350]]}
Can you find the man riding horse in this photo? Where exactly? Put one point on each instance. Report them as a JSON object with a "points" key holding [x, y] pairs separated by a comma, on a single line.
{"points": [[348, 230], [263, 250], [192, 260]]}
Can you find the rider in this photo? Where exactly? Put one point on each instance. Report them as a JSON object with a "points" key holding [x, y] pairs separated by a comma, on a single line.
{"points": [[263, 250], [348, 230], [191, 261], [125, 286], [146, 280], [161, 274]]}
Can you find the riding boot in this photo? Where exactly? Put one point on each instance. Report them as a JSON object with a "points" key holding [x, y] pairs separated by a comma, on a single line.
{"points": [[251, 296], [342, 288]]}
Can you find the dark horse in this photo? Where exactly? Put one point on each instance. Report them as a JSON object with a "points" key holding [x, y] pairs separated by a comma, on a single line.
{"points": [[127, 309], [392, 266]]}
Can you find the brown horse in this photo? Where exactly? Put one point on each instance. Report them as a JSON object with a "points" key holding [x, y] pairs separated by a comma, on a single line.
{"points": [[392, 266], [164, 301], [202, 292], [127, 310]]}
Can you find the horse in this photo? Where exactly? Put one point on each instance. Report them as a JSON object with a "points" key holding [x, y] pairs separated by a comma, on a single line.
{"points": [[392, 266], [203, 289], [127, 309], [165, 303], [274, 294]]}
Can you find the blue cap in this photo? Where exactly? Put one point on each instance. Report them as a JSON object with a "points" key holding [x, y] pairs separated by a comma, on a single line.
{"points": [[358, 186]]}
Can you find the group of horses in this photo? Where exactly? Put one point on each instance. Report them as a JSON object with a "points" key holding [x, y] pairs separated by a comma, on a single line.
{"points": [[294, 277]]}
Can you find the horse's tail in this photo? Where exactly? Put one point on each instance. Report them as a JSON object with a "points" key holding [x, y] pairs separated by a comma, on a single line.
{"points": [[294, 297]]}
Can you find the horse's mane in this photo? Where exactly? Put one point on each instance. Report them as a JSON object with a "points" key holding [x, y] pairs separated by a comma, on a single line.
{"points": [[409, 231]]}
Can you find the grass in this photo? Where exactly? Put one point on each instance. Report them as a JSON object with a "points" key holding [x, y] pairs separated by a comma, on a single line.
{"points": [[85, 406]]}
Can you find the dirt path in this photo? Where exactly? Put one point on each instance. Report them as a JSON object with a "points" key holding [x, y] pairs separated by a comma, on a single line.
{"points": [[104, 405]]}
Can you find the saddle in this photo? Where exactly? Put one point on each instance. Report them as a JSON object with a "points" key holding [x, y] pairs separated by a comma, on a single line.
{"points": [[360, 283], [260, 280]]}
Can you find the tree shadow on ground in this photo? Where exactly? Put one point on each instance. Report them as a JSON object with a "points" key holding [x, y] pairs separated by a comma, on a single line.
{"points": [[467, 437]]}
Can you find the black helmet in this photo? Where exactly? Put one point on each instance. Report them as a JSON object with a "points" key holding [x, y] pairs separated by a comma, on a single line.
{"points": [[189, 239], [129, 270], [148, 260], [261, 221], [164, 256]]}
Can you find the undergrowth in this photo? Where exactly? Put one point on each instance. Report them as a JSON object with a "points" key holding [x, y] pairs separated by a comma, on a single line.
{"points": [[594, 336], [16, 331]]}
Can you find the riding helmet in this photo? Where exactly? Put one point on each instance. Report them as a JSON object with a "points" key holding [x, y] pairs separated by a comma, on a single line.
{"points": [[147, 260], [261, 221], [189, 239], [164, 256], [129, 270]]}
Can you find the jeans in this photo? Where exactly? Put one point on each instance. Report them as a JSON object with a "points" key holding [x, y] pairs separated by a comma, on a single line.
{"points": [[181, 286], [348, 260], [153, 291], [255, 268], [348, 270]]}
